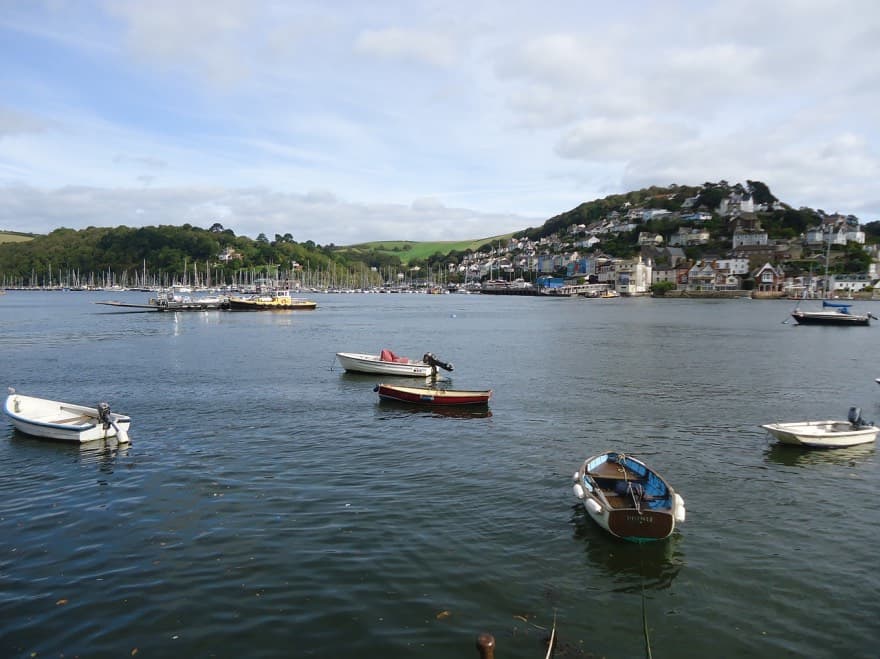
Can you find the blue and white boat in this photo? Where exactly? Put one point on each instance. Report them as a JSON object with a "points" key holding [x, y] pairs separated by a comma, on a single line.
{"points": [[627, 498]]}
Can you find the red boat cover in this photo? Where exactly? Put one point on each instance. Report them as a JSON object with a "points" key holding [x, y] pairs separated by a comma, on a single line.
{"points": [[388, 356]]}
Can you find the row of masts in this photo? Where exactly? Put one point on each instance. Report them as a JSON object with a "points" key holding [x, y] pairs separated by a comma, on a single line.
{"points": [[207, 277]]}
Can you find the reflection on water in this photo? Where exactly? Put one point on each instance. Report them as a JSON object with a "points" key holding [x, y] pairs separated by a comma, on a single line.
{"points": [[799, 456], [103, 452], [632, 566], [388, 409], [440, 381]]}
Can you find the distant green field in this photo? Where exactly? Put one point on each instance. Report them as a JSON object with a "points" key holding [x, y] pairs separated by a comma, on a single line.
{"points": [[13, 237], [408, 251]]}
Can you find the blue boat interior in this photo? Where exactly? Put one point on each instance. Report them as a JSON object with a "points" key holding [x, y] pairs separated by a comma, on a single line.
{"points": [[646, 488]]}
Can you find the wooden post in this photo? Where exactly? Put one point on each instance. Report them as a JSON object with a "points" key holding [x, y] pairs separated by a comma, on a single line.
{"points": [[486, 646]]}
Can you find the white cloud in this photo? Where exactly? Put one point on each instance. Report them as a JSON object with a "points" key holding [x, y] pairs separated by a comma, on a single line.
{"points": [[433, 49], [608, 139], [202, 38], [451, 119], [317, 215]]}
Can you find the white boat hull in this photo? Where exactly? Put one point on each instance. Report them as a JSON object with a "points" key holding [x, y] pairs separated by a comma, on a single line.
{"points": [[52, 419], [361, 363], [822, 434]]}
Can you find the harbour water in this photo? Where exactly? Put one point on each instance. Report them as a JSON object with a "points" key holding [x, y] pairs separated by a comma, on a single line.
{"points": [[269, 506]]}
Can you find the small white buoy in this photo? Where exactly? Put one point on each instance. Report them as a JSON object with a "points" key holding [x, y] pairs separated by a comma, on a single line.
{"points": [[452, 315], [578, 490]]}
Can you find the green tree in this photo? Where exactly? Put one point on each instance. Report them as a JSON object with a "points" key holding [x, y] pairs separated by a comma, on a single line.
{"points": [[660, 288]]}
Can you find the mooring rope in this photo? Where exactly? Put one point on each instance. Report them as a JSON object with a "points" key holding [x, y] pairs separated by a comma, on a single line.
{"points": [[552, 643], [645, 630], [621, 466]]}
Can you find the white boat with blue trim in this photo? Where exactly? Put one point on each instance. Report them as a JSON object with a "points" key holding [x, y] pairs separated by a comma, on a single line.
{"points": [[627, 498], [52, 419]]}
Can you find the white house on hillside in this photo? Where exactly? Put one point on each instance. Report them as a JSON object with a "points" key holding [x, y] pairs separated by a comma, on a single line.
{"points": [[686, 236], [749, 237], [736, 203], [837, 236], [733, 266]]}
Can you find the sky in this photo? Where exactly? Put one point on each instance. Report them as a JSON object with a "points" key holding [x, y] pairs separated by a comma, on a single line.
{"points": [[347, 121]]}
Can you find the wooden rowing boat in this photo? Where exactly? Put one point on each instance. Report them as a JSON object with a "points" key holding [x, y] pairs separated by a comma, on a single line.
{"points": [[423, 396], [627, 498]]}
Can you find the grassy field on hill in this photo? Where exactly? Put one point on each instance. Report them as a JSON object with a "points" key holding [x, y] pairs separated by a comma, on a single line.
{"points": [[407, 250], [13, 237]]}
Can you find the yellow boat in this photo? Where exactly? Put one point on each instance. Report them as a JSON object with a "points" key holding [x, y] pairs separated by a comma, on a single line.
{"points": [[267, 301]]}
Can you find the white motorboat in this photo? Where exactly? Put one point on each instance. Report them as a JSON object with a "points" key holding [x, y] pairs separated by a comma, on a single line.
{"points": [[627, 498], [176, 298], [52, 419], [829, 433], [387, 363]]}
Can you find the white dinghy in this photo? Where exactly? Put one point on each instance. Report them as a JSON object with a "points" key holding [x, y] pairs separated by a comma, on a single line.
{"points": [[52, 419], [387, 363], [829, 433]]}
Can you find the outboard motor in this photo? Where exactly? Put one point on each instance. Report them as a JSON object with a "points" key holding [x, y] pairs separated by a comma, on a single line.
{"points": [[855, 418], [104, 414], [431, 360]]}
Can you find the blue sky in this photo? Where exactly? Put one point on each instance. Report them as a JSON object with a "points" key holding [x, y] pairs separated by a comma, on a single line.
{"points": [[341, 122]]}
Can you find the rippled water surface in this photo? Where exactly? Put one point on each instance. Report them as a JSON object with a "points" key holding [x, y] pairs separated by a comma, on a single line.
{"points": [[269, 506]]}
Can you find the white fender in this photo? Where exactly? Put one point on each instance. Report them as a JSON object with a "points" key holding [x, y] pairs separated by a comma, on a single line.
{"points": [[680, 512], [576, 478], [593, 506], [578, 490]]}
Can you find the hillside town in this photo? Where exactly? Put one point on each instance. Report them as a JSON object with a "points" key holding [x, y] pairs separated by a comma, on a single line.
{"points": [[714, 240], [754, 262]]}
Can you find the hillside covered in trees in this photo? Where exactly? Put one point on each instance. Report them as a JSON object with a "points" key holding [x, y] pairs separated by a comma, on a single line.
{"points": [[160, 256]]}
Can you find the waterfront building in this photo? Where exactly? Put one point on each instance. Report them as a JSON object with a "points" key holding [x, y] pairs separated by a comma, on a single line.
{"points": [[769, 279], [634, 277]]}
